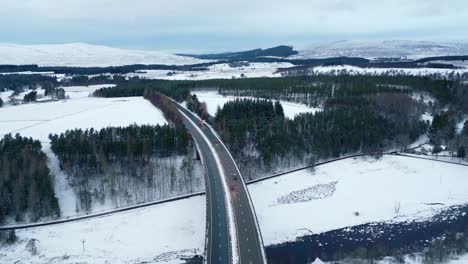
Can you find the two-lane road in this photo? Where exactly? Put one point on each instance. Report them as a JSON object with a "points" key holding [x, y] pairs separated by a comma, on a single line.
{"points": [[249, 245], [217, 244]]}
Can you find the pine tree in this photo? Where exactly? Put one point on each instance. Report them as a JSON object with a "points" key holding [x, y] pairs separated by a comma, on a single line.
{"points": [[461, 152], [436, 150]]}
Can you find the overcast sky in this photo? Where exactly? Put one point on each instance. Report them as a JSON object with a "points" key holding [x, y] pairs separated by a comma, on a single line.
{"points": [[220, 25]]}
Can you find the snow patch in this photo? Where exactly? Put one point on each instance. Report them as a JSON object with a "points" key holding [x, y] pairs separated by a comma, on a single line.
{"points": [[158, 234], [214, 100], [319, 191]]}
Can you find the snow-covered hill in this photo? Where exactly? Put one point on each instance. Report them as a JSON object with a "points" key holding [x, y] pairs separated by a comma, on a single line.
{"points": [[376, 49], [85, 55]]}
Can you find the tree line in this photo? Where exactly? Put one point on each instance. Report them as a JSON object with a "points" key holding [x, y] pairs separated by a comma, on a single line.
{"points": [[84, 80], [198, 107], [171, 113], [26, 185], [20, 82], [308, 89], [94, 148], [178, 90], [262, 139], [443, 131]]}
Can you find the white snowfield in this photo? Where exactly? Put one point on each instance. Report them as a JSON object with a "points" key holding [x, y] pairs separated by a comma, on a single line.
{"points": [[158, 234], [391, 189], [379, 49], [39, 120], [85, 55], [214, 100], [353, 70], [217, 71]]}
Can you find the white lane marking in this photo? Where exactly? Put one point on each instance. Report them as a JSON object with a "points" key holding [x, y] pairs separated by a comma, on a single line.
{"points": [[234, 242]]}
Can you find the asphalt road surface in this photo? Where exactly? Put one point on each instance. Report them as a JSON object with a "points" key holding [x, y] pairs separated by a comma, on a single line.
{"points": [[249, 245]]}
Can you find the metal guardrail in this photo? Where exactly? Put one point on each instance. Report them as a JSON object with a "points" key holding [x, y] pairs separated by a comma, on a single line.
{"points": [[96, 215], [208, 203], [247, 192], [181, 197], [423, 158], [194, 119]]}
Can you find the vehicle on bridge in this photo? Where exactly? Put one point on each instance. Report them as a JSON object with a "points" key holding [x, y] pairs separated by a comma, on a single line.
{"points": [[232, 187]]}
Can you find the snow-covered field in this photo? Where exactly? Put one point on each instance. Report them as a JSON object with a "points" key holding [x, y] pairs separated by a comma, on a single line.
{"points": [[75, 92], [217, 71], [340, 69], [85, 55], [38, 120], [214, 100], [391, 189], [157, 234]]}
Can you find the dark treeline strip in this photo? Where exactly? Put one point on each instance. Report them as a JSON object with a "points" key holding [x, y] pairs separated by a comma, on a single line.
{"points": [[83, 80], [95, 148], [308, 88], [178, 90], [278, 51], [26, 186], [194, 67], [445, 58], [20, 82], [103, 70], [168, 108]]}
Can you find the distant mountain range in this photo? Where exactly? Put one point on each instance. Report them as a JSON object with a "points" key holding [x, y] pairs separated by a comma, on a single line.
{"points": [[275, 52], [412, 50], [379, 49], [341, 52]]}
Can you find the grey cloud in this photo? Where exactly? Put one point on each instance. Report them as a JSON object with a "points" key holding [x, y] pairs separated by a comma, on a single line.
{"points": [[259, 20]]}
